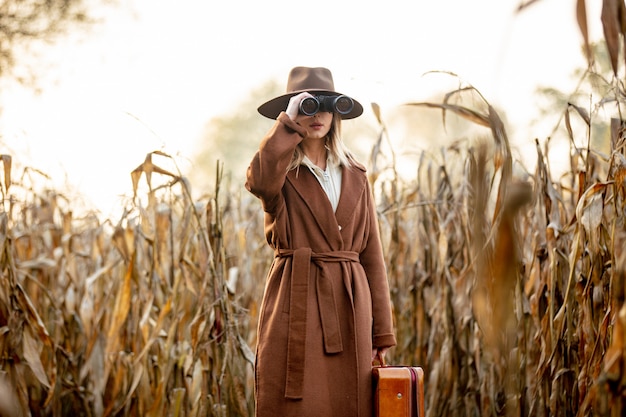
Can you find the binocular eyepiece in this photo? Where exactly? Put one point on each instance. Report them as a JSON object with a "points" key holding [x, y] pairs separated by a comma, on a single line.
{"points": [[334, 104]]}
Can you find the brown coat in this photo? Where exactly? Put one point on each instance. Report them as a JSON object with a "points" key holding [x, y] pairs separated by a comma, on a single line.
{"points": [[326, 300]]}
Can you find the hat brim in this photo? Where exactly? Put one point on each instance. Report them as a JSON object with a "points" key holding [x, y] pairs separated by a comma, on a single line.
{"points": [[273, 107]]}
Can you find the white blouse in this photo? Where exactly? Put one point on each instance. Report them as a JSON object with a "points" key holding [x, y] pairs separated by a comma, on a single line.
{"points": [[330, 179]]}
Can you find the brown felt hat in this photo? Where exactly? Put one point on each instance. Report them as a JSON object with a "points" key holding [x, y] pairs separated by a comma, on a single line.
{"points": [[313, 80]]}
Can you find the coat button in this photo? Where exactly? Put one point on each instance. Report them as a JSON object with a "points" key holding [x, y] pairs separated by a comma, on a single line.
{"points": [[339, 227]]}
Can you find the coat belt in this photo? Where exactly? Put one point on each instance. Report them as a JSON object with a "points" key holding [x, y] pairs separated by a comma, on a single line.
{"points": [[296, 339]]}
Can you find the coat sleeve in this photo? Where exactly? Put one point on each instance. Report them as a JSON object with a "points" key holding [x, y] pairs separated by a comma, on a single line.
{"points": [[267, 172], [373, 263]]}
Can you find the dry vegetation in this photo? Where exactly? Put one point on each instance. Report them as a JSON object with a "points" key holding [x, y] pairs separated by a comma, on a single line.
{"points": [[509, 291], [136, 318]]}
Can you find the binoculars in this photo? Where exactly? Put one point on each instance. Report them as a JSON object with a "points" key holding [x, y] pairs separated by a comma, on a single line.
{"points": [[334, 104]]}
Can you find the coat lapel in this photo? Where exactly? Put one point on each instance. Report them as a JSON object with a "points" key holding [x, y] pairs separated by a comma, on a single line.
{"points": [[312, 194], [352, 185]]}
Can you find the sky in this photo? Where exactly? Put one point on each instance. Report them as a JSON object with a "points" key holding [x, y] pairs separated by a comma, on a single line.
{"points": [[157, 71]]}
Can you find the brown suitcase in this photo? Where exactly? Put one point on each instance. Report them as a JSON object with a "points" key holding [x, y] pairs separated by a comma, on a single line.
{"points": [[398, 391]]}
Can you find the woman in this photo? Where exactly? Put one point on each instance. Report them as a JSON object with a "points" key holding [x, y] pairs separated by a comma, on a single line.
{"points": [[326, 311]]}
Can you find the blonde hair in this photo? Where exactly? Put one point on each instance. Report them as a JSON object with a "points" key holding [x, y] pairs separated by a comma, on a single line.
{"points": [[337, 150]]}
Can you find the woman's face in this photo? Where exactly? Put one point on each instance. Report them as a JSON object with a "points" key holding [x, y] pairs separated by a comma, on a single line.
{"points": [[317, 125]]}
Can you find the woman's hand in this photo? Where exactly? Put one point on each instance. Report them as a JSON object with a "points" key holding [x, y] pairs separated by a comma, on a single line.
{"points": [[380, 353], [293, 108]]}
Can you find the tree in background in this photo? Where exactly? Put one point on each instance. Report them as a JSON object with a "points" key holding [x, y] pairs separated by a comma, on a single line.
{"points": [[27, 24]]}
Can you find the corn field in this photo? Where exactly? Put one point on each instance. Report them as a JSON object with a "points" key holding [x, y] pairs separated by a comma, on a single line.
{"points": [[508, 288], [508, 292]]}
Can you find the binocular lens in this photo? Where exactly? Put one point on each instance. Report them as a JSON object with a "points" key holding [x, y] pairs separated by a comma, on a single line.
{"points": [[343, 104], [334, 104], [309, 106]]}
